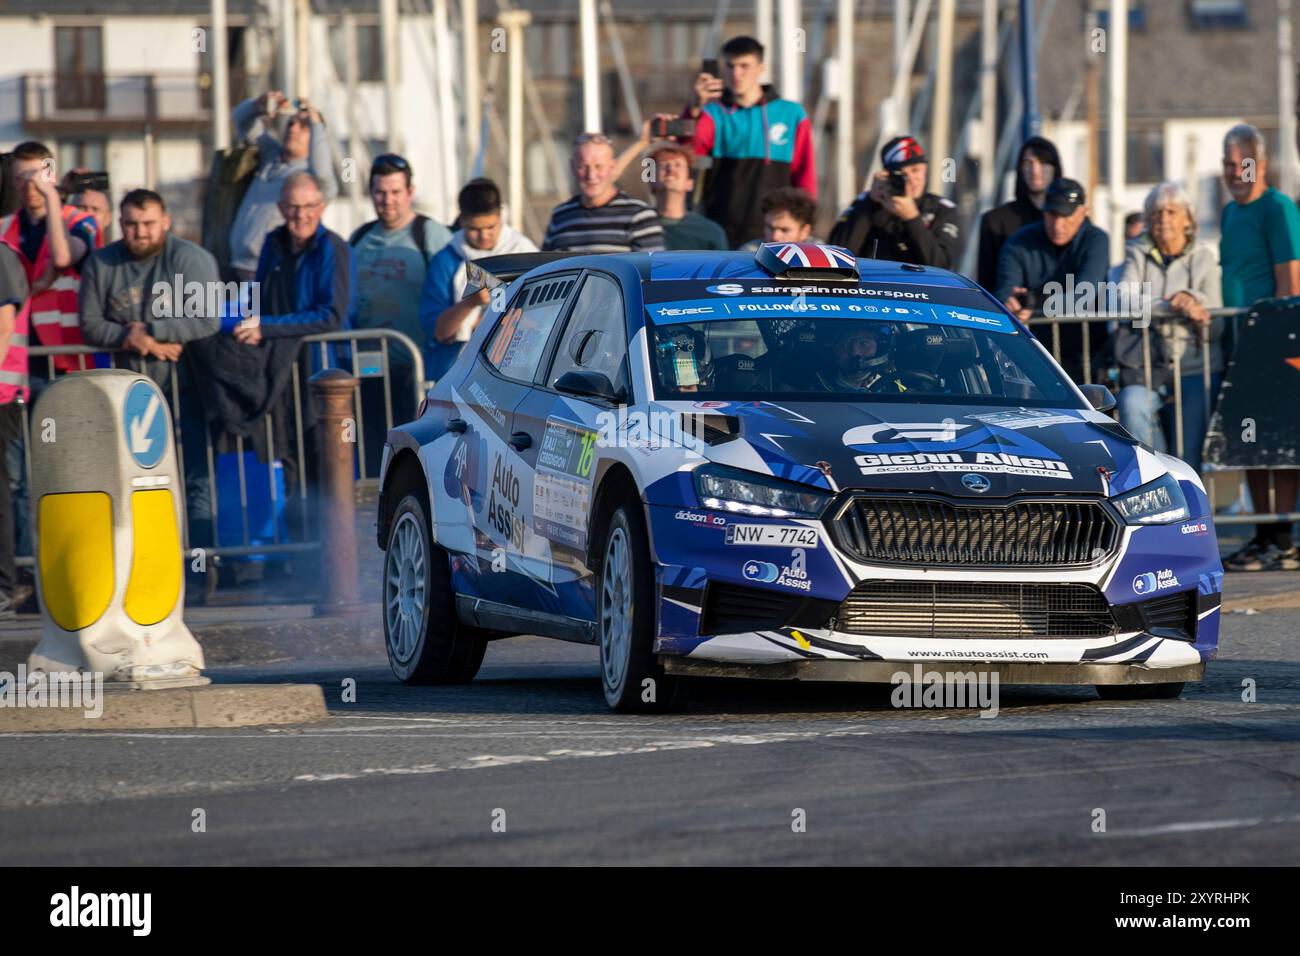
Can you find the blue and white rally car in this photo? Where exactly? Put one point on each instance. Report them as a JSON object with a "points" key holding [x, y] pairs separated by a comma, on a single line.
{"points": [[787, 464]]}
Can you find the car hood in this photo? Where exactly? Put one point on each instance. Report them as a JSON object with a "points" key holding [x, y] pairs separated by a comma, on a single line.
{"points": [[958, 450]]}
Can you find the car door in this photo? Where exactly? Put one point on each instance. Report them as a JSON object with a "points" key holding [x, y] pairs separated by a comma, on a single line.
{"points": [[484, 469], [562, 430]]}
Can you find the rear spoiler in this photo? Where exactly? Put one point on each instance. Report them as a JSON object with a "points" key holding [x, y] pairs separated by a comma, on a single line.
{"points": [[502, 270]]}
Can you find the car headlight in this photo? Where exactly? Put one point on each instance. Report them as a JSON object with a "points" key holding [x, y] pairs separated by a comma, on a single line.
{"points": [[1157, 502], [745, 492]]}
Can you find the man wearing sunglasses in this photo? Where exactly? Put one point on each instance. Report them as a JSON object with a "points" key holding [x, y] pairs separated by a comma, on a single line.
{"points": [[290, 138]]}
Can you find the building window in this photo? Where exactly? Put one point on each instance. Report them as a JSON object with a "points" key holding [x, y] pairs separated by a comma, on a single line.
{"points": [[561, 49], [78, 68], [370, 53], [658, 42], [679, 43], [1144, 155], [1218, 14], [82, 154], [1137, 16], [237, 78]]}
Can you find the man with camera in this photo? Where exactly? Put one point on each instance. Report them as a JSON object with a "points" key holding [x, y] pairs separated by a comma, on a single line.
{"points": [[757, 141], [290, 138], [896, 218]]}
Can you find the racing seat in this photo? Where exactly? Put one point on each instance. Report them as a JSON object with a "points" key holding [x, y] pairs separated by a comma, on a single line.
{"points": [[921, 350], [742, 373]]}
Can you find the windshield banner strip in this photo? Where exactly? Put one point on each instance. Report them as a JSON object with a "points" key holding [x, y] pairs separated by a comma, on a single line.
{"points": [[812, 307]]}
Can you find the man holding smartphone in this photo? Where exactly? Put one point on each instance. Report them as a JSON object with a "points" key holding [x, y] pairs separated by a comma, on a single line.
{"points": [[757, 141], [896, 218], [1065, 249], [290, 138]]}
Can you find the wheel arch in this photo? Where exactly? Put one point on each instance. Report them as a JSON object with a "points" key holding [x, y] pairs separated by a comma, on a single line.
{"points": [[405, 474], [615, 485]]}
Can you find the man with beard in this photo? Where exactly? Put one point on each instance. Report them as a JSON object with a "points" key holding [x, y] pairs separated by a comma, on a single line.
{"points": [[128, 302], [118, 307], [863, 359]]}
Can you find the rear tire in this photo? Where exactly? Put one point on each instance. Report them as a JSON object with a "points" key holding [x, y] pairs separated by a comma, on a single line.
{"points": [[425, 640], [632, 679], [1139, 691]]}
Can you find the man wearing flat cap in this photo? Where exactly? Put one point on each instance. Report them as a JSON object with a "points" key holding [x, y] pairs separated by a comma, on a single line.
{"points": [[896, 218]]}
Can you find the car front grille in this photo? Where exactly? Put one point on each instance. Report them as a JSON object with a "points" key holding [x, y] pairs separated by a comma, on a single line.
{"points": [[963, 610], [939, 532]]}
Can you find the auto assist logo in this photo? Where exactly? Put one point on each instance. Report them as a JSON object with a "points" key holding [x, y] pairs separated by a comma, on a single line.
{"points": [[1153, 581], [792, 575], [893, 449]]}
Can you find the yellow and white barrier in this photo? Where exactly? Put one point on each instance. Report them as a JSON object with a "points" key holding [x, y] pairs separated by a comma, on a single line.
{"points": [[107, 507]]}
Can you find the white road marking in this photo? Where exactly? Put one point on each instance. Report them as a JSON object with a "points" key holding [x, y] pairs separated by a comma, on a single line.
{"points": [[1198, 826], [495, 760]]}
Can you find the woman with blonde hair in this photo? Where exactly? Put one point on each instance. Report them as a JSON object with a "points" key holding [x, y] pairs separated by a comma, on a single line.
{"points": [[1179, 278]]}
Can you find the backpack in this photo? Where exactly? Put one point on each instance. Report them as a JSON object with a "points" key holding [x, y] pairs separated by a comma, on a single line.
{"points": [[421, 241], [228, 180]]}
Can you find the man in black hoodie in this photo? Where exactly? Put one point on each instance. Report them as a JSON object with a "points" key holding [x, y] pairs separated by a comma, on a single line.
{"points": [[1036, 167]]}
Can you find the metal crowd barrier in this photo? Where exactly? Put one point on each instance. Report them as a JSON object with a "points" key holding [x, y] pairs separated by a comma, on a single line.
{"points": [[320, 346], [1110, 378], [367, 470]]}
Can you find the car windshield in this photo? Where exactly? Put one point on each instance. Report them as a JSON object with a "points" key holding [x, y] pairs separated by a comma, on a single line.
{"points": [[755, 340]]}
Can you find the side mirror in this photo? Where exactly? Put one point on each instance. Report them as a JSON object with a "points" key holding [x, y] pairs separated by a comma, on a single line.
{"points": [[1098, 396], [590, 385]]}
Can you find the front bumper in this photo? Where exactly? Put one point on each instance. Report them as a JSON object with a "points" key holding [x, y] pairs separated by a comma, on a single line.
{"points": [[884, 672], [801, 591]]}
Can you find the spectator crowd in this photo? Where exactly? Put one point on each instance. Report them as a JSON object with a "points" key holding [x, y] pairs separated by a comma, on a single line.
{"points": [[739, 171]]}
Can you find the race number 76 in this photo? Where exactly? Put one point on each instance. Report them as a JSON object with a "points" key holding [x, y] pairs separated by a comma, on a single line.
{"points": [[588, 452]]}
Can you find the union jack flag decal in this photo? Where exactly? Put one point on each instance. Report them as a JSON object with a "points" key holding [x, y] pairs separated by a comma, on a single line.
{"points": [[778, 257]]}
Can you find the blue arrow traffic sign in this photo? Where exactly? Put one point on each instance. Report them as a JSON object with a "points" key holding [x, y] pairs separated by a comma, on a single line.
{"points": [[145, 423]]}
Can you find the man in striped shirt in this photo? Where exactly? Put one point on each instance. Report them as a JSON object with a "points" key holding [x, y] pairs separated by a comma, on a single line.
{"points": [[601, 217]]}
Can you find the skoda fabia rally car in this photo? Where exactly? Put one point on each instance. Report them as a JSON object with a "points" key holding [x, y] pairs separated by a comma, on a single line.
{"points": [[788, 464]]}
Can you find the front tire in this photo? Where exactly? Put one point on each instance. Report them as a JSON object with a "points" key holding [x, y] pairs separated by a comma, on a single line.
{"points": [[631, 677], [1139, 691], [425, 640]]}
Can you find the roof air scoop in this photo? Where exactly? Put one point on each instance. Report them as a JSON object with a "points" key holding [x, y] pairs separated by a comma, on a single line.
{"points": [[807, 260]]}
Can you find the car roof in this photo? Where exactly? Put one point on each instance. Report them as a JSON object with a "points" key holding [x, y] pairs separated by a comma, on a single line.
{"points": [[676, 266], [744, 265]]}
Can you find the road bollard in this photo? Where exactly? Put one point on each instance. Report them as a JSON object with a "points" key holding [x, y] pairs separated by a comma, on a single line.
{"points": [[332, 392], [107, 506]]}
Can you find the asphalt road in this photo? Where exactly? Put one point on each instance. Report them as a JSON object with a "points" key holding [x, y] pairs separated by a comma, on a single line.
{"points": [[526, 766]]}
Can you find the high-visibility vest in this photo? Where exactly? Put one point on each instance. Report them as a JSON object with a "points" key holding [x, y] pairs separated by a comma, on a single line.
{"points": [[13, 367], [53, 313]]}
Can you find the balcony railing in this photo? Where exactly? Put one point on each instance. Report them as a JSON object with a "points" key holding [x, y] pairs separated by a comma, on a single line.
{"points": [[79, 102]]}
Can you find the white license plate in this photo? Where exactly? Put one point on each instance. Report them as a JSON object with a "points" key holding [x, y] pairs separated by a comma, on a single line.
{"points": [[787, 535]]}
